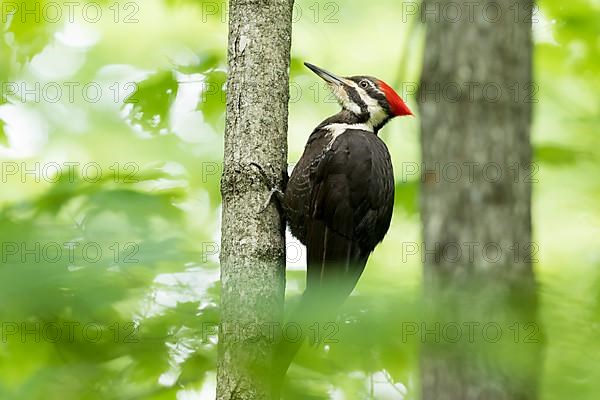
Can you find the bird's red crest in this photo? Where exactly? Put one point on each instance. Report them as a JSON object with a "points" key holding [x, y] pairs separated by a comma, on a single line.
{"points": [[398, 106]]}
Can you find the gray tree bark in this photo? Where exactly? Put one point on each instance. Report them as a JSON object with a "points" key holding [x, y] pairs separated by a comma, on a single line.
{"points": [[253, 243], [475, 101]]}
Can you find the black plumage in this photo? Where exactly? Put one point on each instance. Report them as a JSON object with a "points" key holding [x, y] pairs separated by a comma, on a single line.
{"points": [[339, 200]]}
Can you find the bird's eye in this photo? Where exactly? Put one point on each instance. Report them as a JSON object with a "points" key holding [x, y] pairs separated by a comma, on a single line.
{"points": [[363, 84]]}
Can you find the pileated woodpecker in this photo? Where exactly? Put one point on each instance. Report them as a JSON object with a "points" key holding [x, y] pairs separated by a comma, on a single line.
{"points": [[339, 199]]}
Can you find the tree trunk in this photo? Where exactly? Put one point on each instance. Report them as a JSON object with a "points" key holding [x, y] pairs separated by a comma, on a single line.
{"points": [[475, 102], [253, 243]]}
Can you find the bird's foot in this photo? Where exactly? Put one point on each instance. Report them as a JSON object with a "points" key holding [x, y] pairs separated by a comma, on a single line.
{"points": [[263, 175], [274, 190]]}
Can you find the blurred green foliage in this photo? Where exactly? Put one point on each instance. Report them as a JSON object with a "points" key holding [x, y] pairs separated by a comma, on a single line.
{"points": [[109, 274], [152, 101]]}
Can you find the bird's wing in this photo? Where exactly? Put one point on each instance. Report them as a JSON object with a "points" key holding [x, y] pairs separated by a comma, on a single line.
{"points": [[351, 196], [340, 199]]}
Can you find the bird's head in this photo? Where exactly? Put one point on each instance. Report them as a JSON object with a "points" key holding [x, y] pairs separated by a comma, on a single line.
{"points": [[371, 100]]}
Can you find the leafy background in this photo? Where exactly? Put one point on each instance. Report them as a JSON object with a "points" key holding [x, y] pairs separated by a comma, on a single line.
{"points": [[109, 271]]}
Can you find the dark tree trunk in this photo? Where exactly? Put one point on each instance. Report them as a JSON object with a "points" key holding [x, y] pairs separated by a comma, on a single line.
{"points": [[253, 243], [475, 103]]}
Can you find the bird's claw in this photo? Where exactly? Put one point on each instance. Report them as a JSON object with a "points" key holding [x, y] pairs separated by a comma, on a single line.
{"points": [[274, 189], [275, 192], [270, 184]]}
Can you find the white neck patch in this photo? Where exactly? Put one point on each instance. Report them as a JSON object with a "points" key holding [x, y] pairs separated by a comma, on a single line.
{"points": [[335, 130]]}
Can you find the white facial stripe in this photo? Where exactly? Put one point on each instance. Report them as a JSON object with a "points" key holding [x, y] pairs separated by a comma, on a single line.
{"points": [[343, 98], [378, 90], [378, 114]]}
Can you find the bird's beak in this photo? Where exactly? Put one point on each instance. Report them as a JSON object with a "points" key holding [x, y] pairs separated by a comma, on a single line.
{"points": [[326, 75]]}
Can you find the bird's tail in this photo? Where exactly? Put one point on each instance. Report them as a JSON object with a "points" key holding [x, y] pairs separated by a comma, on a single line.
{"points": [[334, 265]]}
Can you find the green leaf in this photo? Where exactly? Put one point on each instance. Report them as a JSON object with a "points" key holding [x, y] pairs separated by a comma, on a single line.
{"points": [[212, 103], [3, 137], [557, 155], [407, 196], [152, 101], [208, 61], [297, 67], [28, 30]]}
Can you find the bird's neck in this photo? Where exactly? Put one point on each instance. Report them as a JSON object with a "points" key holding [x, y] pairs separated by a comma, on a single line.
{"points": [[349, 118]]}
